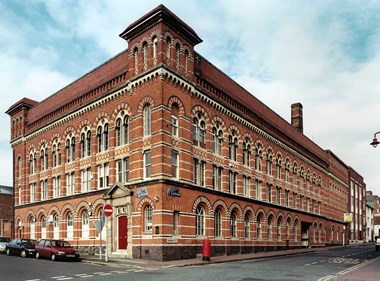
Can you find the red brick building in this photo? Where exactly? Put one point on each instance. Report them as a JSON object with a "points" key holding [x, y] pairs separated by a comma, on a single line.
{"points": [[6, 213], [180, 150]]}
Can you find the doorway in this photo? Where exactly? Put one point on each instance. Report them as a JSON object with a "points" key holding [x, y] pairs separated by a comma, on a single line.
{"points": [[123, 232]]}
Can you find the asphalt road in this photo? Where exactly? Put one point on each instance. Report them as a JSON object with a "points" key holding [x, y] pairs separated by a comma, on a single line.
{"points": [[321, 266]]}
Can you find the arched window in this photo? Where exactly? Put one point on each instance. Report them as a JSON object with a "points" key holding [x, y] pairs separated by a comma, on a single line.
{"points": [[270, 227], [145, 53], [85, 224], [177, 54], [148, 218], [147, 120], [217, 138], [200, 221], [85, 143], [44, 158], [258, 158], [247, 227], [56, 227], [287, 170], [246, 152], [103, 137], [287, 229], [269, 162], [232, 146], [70, 226], [186, 61], [279, 229], [199, 129], [233, 228], [32, 162], [175, 120], [70, 149], [43, 227], [32, 228], [278, 167], [154, 47], [122, 131], [168, 43], [218, 223], [258, 227], [295, 230], [136, 57]]}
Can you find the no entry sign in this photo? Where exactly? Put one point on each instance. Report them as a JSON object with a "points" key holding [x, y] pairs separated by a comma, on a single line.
{"points": [[108, 210]]}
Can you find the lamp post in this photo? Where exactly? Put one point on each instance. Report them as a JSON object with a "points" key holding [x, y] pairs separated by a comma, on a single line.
{"points": [[375, 142]]}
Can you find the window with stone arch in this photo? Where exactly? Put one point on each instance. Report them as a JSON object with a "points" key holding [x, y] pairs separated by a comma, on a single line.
{"points": [[218, 223], [56, 226], [32, 162], [122, 129], [44, 158], [199, 130], [85, 224], [259, 226], [302, 177], [295, 230], [287, 170], [233, 226], [147, 115], [43, 227], [102, 134], [279, 222], [247, 225], [177, 54], [269, 162], [154, 41], [217, 139], [56, 153], [258, 158], [295, 170], [145, 53], [85, 142], [287, 229], [136, 58], [269, 225], [174, 121], [70, 148], [200, 221], [70, 226], [148, 217], [278, 166], [232, 146], [186, 61], [168, 43], [246, 152]]}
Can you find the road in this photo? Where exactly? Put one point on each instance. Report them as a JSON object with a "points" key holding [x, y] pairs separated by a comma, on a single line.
{"points": [[321, 266]]}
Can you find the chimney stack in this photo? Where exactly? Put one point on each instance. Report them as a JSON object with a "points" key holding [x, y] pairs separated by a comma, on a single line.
{"points": [[297, 116]]}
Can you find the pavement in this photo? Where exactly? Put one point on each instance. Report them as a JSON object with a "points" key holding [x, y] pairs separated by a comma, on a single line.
{"points": [[369, 271]]}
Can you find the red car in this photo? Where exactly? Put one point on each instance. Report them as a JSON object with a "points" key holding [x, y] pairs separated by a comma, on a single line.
{"points": [[56, 249]]}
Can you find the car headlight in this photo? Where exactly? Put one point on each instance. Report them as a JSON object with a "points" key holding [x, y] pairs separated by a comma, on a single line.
{"points": [[61, 253], [31, 250]]}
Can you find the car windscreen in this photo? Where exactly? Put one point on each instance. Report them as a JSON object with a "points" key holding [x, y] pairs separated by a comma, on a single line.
{"points": [[61, 244], [28, 243]]}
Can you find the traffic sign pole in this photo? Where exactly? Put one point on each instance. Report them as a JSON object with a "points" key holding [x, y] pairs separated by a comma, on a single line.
{"points": [[106, 225], [108, 210]]}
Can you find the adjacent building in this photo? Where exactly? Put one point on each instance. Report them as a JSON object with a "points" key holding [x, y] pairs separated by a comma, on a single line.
{"points": [[181, 151], [6, 207], [374, 201], [369, 223]]}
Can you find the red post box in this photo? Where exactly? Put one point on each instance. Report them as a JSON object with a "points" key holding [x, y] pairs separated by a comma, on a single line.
{"points": [[206, 250]]}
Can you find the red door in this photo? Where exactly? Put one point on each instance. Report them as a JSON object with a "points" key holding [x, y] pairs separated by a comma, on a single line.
{"points": [[123, 232]]}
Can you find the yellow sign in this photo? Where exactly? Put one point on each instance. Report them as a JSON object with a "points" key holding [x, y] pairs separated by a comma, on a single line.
{"points": [[348, 217]]}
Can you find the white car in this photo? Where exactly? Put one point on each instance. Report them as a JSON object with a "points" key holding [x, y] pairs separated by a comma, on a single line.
{"points": [[3, 243], [377, 243]]}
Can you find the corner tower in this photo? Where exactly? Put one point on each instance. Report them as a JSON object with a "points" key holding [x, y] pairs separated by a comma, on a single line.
{"points": [[160, 38]]}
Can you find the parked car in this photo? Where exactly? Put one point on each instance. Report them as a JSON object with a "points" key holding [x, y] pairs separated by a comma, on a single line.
{"points": [[3, 243], [22, 247], [377, 243], [56, 249]]}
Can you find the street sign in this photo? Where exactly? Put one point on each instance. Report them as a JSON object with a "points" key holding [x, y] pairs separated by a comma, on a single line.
{"points": [[99, 225], [108, 210]]}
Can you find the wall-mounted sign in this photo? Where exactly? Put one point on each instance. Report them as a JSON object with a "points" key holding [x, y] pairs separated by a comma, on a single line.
{"points": [[348, 217], [141, 192], [174, 191]]}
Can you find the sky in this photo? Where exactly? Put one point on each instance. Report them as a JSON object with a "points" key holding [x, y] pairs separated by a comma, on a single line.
{"points": [[323, 54]]}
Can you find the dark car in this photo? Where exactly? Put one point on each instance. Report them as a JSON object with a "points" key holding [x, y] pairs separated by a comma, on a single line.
{"points": [[377, 243], [3, 243], [56, 249], [22, 247]]}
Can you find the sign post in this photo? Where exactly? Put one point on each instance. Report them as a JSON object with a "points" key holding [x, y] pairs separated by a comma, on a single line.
{"points": [[99, 227], [108, 210]]}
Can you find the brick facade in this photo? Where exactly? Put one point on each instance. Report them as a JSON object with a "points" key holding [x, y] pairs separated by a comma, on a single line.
{"points": [[181, 151]]}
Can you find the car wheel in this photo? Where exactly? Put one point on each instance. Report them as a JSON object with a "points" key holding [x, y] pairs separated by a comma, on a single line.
{"points": [[53, 257], [8, 252], [23, 253], [37, 255]]}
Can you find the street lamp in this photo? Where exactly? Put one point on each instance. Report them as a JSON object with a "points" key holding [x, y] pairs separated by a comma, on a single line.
{"points": [[375, 142]]}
